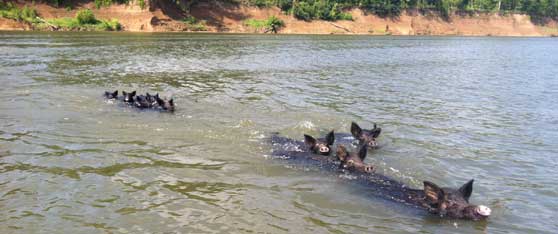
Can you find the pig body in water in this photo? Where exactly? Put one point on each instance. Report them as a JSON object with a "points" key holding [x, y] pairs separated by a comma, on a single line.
{"points": [[441, 201]]}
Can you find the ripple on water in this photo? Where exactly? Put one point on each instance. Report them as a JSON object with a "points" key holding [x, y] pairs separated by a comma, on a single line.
{"points": [[451, 109]]}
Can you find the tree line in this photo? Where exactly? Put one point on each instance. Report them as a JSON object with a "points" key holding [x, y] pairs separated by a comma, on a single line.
{"points": [[539, 10]]}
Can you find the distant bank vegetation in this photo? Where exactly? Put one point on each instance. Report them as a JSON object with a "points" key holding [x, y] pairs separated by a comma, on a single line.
{"points": [[99, 3], [84, 20], [271, 24], [539, 10]]}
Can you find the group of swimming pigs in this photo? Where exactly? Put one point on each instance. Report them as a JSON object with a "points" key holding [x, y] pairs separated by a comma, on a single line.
{"points": [[444, 202], [146, 101]]}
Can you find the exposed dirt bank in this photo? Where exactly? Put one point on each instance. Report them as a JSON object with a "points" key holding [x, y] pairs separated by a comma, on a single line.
{"points": [[219, 17]]}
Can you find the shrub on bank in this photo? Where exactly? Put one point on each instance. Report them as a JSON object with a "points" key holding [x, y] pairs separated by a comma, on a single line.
{"points": [[271, 24], [11, 11], [194, 24], [86, 16], [109, 25], [85, 20], [320, 9]]}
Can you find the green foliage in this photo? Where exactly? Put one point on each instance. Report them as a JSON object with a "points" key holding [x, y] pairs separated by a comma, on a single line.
{"points": [[319, 9], [262, 3], [11, 11], [66, 23], [73, 24], [285, 5], [274, 22], [28, 12], [106, 3], [194, 24], [304, 11], [141, 4], [84, 21], [271, 24], [109, 25], [333, 9], [255, 23], [382, 8], [85, 16]]}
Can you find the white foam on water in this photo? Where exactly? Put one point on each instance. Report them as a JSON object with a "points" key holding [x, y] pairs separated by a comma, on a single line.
{"points": [[305, 125]]}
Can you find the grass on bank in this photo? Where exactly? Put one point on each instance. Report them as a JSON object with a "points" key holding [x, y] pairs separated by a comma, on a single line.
{"points": [[11, 11], [271, 24], [98, 3], [107, 3], [83, 21]]}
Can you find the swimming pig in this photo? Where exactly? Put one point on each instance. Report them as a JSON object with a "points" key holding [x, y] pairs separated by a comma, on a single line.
{"points": [[452, 203], [152, 99], [353, 161], [129, 97], [443, 202], [364, 136], [112, 95], [320, 146], [142, 102], [164, 104]]}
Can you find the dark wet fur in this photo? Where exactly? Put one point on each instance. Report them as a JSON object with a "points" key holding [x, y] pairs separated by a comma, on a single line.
{"points": [[128, 97], [147, 101], [444, 202], [142, 102], [353, 161], [321, 145], [164, 104], [364, 136], [111, 95]]}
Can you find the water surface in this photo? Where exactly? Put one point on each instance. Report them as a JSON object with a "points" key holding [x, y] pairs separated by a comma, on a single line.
{"points": [[451, 109]]}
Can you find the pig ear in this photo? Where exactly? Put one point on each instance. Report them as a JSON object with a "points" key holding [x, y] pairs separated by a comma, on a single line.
{"points": [[160, 102], [115, 93], [433, 193], [355, 130], [124, 93], [309, 140], [330, 138], [377, 132], [133, 93], [466, 190], [362, 152]]}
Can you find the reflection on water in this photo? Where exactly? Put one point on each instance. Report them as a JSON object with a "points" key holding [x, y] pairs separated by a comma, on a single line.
{"points": [[451, 109]]}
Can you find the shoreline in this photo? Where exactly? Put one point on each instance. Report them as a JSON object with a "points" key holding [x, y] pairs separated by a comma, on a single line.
{"points": [[268, 34], [226, 18]]}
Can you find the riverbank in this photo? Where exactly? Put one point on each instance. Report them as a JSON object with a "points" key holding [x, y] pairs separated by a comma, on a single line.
{"points": [[227, 17]]}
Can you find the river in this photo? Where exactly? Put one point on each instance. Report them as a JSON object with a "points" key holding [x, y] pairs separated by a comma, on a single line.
{"points": [[451, 109]]}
